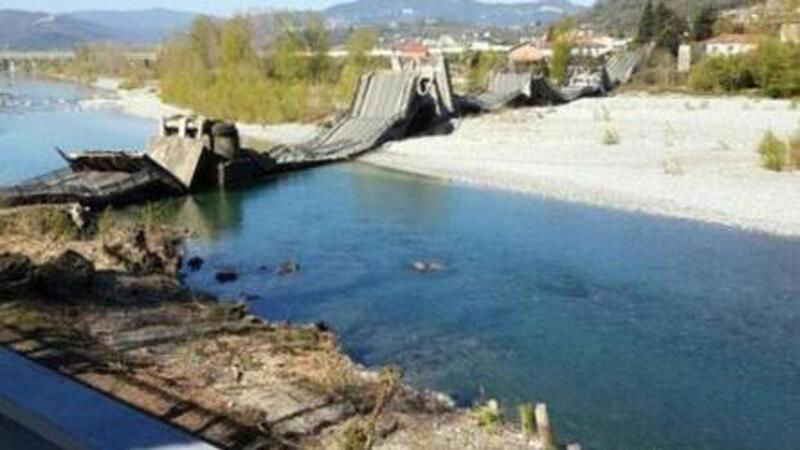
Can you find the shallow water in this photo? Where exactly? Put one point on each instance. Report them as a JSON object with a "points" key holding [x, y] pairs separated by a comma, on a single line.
{"points": [[639, 332]]}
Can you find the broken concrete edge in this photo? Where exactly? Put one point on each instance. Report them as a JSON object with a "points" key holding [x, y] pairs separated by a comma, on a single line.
{"points": [[39, 425]]}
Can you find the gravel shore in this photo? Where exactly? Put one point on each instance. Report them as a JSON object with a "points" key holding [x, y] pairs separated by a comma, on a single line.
{"points": [[680, 156]]}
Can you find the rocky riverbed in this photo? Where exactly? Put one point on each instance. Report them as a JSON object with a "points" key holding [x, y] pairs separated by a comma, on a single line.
{"points": [[102, 302]]}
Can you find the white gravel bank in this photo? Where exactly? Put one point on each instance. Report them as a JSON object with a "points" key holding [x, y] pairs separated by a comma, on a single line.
{"points": [[680, 156]]}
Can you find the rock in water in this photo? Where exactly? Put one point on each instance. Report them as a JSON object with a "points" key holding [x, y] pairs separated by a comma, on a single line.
{"points": [[226, 276], [16, 271], [427, 266], [70, 275], [288, 268], [195, 264]]}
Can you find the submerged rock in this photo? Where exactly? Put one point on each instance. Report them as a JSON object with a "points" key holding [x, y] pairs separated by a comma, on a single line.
{"points": [[288, 268], [16, 271], [226, 276]]}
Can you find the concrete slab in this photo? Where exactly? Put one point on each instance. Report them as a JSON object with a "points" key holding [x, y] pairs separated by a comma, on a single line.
{"points": [[179, 156], [73, 416]]}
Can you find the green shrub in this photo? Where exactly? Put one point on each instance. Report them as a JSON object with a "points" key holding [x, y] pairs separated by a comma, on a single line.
{"points": [[773, 152], [772, 68], [488, 416], [722, 74], [479, 66], [559, 62], [527, 420]]}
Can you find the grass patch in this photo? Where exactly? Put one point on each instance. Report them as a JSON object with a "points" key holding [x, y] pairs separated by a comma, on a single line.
{"points": [[672, 166], [611, 136], [488, 416], [774, 152], [527, 420], [51, 223]]}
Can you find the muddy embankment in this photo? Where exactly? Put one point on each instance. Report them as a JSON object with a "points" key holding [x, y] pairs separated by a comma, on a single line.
{"points": [[101, 301]]}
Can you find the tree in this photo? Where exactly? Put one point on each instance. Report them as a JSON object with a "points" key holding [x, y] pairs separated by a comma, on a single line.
{"points": [[359, 45], [318, 42], [204, 38], [559, 62], [237, 45], [288, 62], [480, 64], [703, 26], [669, 28], [647, 24]]}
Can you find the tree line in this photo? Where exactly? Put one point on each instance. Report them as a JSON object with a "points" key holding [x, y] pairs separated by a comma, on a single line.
{"points": [[217, 69]]}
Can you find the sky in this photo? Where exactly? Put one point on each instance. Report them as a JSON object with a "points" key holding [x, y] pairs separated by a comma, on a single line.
{"points": [[218, 7]]}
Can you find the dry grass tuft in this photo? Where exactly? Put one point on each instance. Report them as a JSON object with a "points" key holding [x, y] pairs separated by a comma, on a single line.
{"points": [[611, 136]]}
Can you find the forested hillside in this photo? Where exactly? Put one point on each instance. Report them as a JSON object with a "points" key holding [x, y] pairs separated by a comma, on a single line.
{"points": [[624, 15]]}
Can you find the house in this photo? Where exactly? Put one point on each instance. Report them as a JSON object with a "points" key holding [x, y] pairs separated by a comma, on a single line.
{"points": [[730, 44], [528, 53], [412, 49], [597, 46]]}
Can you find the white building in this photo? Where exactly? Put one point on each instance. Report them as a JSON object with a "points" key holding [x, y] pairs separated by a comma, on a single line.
{"points": [[730, 44]]}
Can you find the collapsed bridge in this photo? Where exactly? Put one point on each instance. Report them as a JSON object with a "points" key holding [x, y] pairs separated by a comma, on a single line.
{"points": [[192, 154], [506, 89], [388, 105]]}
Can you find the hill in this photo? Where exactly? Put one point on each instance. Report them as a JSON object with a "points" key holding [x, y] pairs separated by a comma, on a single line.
{"points": [[25, 30], [624, 15], [142, 26], [39, 31], [462, 11]]}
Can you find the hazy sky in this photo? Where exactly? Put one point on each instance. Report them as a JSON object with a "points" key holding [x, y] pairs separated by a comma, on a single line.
{"points": [[208, 6]]}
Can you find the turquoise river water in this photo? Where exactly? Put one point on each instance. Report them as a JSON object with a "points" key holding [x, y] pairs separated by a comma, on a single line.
{"points": [[639, 332]]}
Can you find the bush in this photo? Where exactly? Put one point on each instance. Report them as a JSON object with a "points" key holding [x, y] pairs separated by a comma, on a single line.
{"points": [[559, 62], [479, 66], [772, 68], [773, 152], [488, 416], [722, 74]]}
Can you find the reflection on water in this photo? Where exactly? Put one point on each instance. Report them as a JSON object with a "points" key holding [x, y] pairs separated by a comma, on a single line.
{"points": [[639, 332]]}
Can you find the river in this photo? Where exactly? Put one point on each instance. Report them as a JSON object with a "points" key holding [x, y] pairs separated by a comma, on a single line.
{"points": [[639, 332]]}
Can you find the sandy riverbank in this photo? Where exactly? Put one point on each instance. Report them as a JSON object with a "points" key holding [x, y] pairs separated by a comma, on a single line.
{"points": [[680, 156], [146, 103]]}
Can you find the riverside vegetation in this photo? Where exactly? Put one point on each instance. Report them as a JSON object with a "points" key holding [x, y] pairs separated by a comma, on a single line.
{"points": [[217, 70], [772, 69]]}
